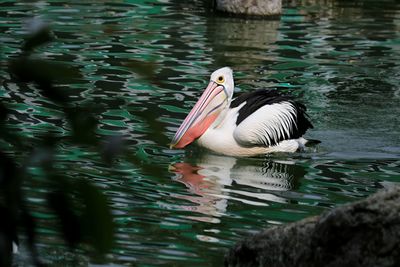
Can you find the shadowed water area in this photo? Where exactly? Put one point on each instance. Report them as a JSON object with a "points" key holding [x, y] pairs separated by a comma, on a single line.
{"points": [[342, 60]]}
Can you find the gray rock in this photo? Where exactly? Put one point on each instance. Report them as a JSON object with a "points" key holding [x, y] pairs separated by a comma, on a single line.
{"points": [[250, 7], [364, 233]]}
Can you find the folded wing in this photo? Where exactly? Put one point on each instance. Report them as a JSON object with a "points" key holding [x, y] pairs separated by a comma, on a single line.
{"points": [[267, 118]]}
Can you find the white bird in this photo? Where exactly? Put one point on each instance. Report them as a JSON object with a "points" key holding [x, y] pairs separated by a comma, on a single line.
{"points": [[254, 123]]}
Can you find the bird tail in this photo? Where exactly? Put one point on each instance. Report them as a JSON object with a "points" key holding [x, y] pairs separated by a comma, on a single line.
{"points": [[312, 142]]}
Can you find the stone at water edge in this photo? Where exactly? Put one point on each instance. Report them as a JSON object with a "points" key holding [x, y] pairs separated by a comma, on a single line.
{"points": [[364, 233], [250, 7]]}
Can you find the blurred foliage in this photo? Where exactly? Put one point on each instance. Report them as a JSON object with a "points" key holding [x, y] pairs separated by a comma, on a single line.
{"points": [[82, 210]]}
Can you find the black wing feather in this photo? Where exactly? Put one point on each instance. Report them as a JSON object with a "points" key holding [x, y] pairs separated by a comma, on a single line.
{"points": [[259, 98]]}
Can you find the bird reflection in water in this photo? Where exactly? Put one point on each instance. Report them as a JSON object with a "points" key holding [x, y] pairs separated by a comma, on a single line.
{"points": [[215, 180]]}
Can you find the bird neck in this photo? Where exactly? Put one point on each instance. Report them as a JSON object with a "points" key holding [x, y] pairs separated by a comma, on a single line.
{"points": [[221, 115]]}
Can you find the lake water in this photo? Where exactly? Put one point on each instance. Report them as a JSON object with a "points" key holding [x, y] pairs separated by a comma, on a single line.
{"points": [[342, 60]]}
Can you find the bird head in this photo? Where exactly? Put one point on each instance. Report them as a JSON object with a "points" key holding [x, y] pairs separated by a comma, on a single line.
{"points": [[214, 100]]}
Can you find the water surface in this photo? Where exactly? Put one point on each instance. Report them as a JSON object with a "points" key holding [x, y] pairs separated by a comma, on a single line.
{"points": [[340, 59]]}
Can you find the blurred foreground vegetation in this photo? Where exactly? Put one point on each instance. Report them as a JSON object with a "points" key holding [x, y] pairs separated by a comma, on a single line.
{"points": [[84, 217]]}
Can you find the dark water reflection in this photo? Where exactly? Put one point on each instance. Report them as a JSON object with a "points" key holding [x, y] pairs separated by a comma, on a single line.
{"points": [[341, 59]]}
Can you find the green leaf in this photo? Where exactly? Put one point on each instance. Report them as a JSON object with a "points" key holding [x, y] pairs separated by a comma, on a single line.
{"points": [[83, 125], [38, 38], [40, 70], [3, 113], [43, 74], [62, 205], [7, 234], [96, 217], [112, 146]]}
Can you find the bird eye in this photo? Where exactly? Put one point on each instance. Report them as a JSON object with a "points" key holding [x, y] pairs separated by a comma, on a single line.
{"points": [[220, 79]]}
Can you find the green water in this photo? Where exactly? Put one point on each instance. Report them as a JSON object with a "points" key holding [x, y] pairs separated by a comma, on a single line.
{"points": [[340, 59]]}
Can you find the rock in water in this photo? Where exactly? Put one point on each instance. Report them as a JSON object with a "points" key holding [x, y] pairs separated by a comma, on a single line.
{"points": [[250, 7], [364, 233]]}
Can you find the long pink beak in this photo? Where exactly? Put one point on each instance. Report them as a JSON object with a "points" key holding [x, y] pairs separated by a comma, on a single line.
{"points": [[203, 114]]}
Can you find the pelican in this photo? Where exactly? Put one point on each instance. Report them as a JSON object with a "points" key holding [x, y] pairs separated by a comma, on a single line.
{"points": [[254, 123]]}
